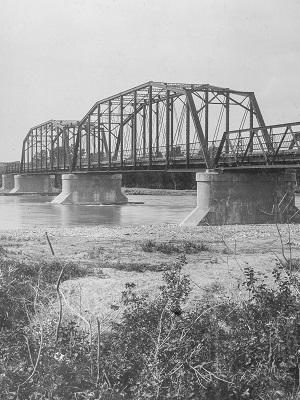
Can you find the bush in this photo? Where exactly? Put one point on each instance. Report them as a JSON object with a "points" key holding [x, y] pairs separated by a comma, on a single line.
{"points": [[51, 270], [3, 251], [184, 246], [95, 252], [293, 264], [138, 267], [20, 283], [163, 349], [219, 350]]}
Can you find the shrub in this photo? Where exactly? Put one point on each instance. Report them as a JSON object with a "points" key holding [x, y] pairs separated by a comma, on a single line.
{"points": [[51, 270], [163, 349], [184, 246], [293, 264], [3, 251], [138, 267], [20, 281], [95, 252], [219, 350]]}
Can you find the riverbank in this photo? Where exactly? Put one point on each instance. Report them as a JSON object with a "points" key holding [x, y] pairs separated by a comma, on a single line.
{"points": [[158, 192], [116, 255]]}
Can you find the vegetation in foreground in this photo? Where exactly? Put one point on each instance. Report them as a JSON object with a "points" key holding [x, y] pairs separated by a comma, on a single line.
{"points": [[161, 348], [171, 247]]}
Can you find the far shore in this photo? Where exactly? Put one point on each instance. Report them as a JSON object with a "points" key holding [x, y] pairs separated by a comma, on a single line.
{"points": [[158, 192]]}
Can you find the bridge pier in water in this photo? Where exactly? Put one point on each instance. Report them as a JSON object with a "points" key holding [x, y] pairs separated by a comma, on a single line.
{"points": [[91, 188], [34, 183], [249, 197], [8, 183]]}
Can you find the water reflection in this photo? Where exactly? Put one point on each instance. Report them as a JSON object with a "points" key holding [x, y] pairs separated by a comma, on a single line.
{"points": [[35, 211]]}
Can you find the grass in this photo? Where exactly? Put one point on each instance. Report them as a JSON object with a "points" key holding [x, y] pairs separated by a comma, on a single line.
{"points": [[14, 238], [136, 267], [95, 252], [3, 251], [293, 264], [48, 271], [174, 247]]}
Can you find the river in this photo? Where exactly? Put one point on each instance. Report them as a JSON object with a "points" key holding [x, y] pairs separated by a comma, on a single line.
{"points": [[32, 211]]}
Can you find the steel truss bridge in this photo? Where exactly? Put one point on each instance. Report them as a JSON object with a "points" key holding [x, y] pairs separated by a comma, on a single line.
{"points": [[162, 126]]}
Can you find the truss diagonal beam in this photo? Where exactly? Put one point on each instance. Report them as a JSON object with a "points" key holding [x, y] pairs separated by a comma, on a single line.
{"points": [[261, 123], [198, 127]]}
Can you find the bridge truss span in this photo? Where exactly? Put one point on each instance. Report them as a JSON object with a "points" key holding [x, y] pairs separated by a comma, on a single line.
{"points": [[161, 126], [49, 146], [154, 126]]}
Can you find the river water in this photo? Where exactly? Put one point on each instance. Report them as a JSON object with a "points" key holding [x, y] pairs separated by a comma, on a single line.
{"points": [[29, 212]]}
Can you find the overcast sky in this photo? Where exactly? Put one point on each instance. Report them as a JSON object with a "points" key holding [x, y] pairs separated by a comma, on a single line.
{"points": [[58, 57]]}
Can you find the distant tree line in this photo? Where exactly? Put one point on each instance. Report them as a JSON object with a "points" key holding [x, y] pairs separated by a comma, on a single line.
{"points": [[160, 180]]}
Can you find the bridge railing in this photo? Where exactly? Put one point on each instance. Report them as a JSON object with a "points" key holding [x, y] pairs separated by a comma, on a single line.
{"points": [[12, 167], [249, 146], [179, 155]]}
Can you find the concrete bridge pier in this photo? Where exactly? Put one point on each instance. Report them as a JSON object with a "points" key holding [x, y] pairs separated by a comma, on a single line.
{"points": [[250, 197], [91, 188], [35, 183], [8, 183]]}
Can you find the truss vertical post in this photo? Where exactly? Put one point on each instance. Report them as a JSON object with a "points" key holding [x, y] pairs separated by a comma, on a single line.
{"points": [[76, 149], [150, 125], [28, 155], [51, 147], [171, 125], [32, 150], [206, 116], [187, 138], [94, 140], [144, 131], [157, 128], [46, 148], [80, 147], [23, 158], [41, 147], [98, 136], [251, 127], [227, 121], [109, 134], [58, 152], [36, 149], [22, 166], [88, 142], [167, 127], [65, 145], [134, 119], [121, 131]]}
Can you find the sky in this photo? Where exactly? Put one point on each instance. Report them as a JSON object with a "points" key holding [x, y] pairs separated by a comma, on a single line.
{"points": [[58, 57]]}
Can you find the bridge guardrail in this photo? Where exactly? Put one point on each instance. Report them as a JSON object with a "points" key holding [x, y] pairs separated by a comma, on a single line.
{"points": [[245, 146], [12, 168]]}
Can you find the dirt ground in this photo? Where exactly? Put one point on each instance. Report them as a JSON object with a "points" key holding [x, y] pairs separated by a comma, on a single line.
{"points": [[110, 252]]}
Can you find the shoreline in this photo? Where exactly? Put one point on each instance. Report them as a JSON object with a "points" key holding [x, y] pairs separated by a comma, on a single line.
{"points": [[158, 192]]}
